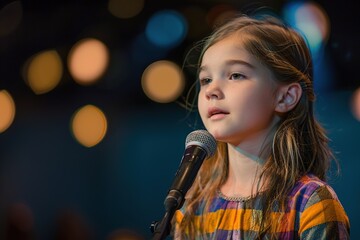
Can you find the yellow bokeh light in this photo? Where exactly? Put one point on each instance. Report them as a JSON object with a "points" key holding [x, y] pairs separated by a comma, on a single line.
{"points": [[355, 104], [88, 60], [44, 71], [163, 81], [125, 8], [7, 110], [89, 125]]}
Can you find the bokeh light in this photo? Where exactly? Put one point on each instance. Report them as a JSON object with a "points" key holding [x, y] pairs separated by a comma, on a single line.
{"points": [[310, 19], [125, 8], [88, 60], [10, 17], [20, 217], [196, 18], [220, 14], [43, 71], [125, 234], [166, 28], [355, 104], [163, 81], [7, 110], [89, 125]]}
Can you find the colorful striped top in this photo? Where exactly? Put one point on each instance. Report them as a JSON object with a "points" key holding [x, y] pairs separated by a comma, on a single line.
{"points": [[313, 212]]}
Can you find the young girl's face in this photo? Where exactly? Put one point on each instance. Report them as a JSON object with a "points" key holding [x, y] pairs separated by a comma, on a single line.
{"points": [[237, 95]]}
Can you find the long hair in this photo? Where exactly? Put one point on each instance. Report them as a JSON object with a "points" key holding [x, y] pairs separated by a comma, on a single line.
{"points": [[299, 145]]}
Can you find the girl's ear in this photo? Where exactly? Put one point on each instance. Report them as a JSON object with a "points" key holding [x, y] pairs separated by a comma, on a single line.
{"points": [[287, 97]]}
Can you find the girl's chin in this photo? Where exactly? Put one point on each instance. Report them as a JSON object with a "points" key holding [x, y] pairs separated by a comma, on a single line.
{"points": [[218, 135], [226, 137]]}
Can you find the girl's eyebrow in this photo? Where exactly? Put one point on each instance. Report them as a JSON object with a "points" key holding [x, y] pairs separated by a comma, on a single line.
{"points": [[241, 62], [230, 63]]}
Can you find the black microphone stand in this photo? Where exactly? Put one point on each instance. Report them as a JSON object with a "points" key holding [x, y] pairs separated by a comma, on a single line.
{"points": [[184, 178], [162, 229]]}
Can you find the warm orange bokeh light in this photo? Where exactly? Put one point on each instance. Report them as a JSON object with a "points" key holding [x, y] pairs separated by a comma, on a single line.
{"points": [[7, 110], [88, 60], [125, 8], [44, 71], [163, 81], [355, 104], [89, 125], [11, 16]]}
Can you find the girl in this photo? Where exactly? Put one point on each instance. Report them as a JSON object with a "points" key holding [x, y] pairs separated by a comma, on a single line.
{"points": [[267, 178]]}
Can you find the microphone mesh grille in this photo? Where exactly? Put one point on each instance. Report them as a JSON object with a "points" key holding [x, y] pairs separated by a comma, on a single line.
{"points": [[203, 139]]}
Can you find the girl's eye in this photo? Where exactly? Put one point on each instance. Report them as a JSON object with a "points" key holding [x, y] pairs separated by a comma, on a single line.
{"points": [[204, 81], [237, 76]]}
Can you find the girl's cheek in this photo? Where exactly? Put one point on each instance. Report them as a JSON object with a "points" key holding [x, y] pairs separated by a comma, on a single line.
{"points": [[201, 109], [200, 102]]}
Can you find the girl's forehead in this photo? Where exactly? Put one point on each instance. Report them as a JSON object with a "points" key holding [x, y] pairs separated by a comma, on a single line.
{"points": [[229, 48], [231, 51]]}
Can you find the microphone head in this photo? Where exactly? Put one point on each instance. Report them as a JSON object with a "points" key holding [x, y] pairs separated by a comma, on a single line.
{"points": [[203, 139]]}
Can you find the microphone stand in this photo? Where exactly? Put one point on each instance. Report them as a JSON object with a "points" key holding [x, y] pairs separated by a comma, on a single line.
{"points": [[184, 178], [162, 229]]}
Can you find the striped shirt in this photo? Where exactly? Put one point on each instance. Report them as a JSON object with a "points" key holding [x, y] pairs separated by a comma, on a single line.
{"points": [[313, 212]]}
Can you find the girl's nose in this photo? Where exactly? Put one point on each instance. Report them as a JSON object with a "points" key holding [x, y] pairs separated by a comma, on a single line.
{"points": [[214, 91]]}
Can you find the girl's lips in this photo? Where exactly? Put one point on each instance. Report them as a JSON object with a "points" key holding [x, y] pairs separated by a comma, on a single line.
{"points": [[216, 113]]}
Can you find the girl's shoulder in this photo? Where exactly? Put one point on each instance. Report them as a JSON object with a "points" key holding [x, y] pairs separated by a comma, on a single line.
{"points": [[310, 190], [319, 208]]}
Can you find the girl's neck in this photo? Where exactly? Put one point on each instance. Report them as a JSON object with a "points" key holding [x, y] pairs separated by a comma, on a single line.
{"points": [[244, 171], [246, 160]]}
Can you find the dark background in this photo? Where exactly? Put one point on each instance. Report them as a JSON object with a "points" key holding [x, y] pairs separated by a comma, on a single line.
{"points": [[121, 182]]}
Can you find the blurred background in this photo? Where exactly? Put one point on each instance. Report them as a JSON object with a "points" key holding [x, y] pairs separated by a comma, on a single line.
{"points": [[92, 122]]}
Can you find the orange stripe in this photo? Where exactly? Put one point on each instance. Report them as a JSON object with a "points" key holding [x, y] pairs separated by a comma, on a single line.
{"points": [[179, 216], [325, 211], [228, 220], [242, 219]]}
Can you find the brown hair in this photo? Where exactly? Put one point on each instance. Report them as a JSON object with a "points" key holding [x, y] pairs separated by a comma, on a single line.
{"points": [[299, 146]]}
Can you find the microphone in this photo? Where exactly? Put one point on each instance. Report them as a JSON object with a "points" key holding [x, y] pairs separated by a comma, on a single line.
{"points": [[199, 144]]}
